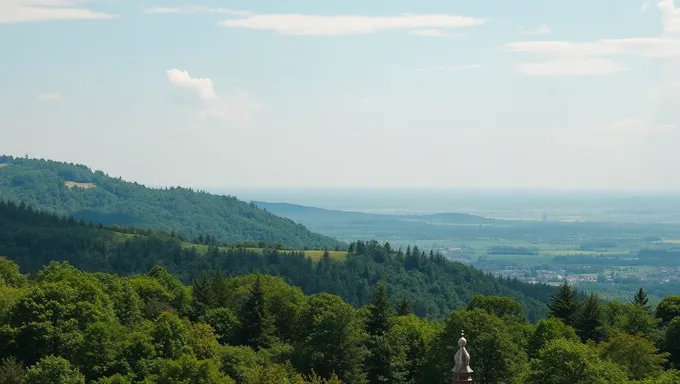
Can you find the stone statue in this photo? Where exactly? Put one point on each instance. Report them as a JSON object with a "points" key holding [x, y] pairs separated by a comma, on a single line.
{"points": [[461, 370]]}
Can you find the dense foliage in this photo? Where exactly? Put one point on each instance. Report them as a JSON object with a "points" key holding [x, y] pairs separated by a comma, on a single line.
{"points": [[66, 326], [432, 285], [104, 199]]}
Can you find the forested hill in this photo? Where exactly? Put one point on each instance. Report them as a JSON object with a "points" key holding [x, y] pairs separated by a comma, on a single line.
{"points": [[68, 189], [433, 285]]}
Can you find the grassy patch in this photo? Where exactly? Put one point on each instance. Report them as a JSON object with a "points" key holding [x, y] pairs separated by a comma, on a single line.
{"points": [[316, 254], [73, 184], [3, 165], [312, 254]]}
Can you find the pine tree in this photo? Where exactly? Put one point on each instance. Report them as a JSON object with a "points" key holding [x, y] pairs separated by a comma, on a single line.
{"points": [[641, 299], [589, 323], [404, 308], [219, 287], [202, 296], [379, 362], [257, 328], [563, 304], [379, 321]]}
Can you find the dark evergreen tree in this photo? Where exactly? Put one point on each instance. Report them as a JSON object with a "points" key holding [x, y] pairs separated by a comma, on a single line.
{"points": [[257, 329], [203, 296], [563, 304], [379, 360], [218, 286], [641, 299], [378, 322], [404, 308], [589, 322]]}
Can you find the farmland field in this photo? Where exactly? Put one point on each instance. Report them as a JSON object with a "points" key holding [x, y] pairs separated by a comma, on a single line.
{"points": [[312, 254], [73, 184]]}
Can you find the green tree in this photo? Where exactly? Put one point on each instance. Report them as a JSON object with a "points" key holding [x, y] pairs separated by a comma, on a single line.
{"points": [[378, 323], [170, 336], [668, 309], [404, 308], [411, 337], [379, 363], [101, 352], [563, 304], [10, 275], [568, 362], [499, 306], [671, 342], [203, 296], [12, 371], [187, 369], [115, 379], [632, 319], [668, 377], [641, 299], [636, 354], [330, 339], [548, 330], [495, 349], [54, 370], [589, 320], [257, 328], [224, 322]]}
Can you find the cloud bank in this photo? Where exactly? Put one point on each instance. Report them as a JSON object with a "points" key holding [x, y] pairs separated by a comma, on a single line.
{"points": [[596, 57], [23, 11], [320, 25]]}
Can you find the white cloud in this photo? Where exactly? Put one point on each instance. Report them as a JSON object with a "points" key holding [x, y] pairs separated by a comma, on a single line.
{"points": [[542, 29], [49, 96], [236, 106], [645, 6], [596, 53], [191, 8], [204, 87], [435, 33], [628, 126], [450, 68], [319, 25], [371, 100], [21, 11], [572, 67]]}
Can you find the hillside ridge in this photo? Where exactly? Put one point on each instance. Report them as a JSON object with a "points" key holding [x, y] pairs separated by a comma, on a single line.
{"points": [[51, 185], [431, 283]]}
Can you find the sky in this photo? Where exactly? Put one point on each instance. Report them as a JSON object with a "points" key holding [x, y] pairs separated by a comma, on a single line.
{"points": [[573, 94]]}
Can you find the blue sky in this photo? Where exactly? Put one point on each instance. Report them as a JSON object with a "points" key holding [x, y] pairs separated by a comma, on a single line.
{"points": [[382, 93]]}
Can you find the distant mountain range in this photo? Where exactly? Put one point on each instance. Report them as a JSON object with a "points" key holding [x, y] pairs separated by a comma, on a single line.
{"points": [[301, 211], [71, 189], [350, 224]]}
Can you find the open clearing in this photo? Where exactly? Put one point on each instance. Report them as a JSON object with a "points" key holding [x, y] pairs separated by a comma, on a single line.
{"points": [[73, 184], [3, 165], [312, 254]]}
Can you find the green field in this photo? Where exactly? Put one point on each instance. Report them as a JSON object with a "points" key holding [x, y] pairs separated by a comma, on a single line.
{"points": [[312, 254], [3, 165]]}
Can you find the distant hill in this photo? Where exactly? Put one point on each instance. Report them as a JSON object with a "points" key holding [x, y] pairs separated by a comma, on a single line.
{"points": [[433, 285], [371, 225], [69, 189], [458, 218]]}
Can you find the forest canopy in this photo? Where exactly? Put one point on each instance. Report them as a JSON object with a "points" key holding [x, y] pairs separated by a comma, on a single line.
{"points": [[71, 189]]}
